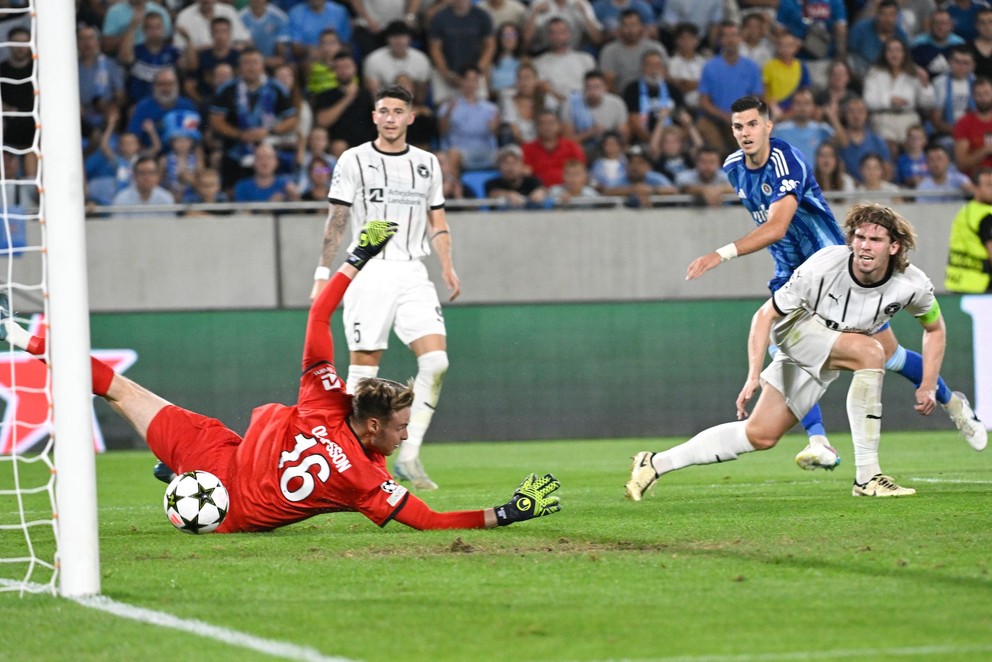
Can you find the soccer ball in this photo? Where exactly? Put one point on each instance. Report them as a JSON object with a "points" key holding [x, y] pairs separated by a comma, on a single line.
{"points": [[196, 502]]}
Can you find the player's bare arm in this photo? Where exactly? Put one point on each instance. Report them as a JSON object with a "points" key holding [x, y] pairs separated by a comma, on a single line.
{"points": [[441, 242], [337, 219], [934, 344], [779, 217], [757, 346]]}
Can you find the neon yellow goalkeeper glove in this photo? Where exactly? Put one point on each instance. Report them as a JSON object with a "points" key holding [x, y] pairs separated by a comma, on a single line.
{"points": [[371, 240], [532, 499]]}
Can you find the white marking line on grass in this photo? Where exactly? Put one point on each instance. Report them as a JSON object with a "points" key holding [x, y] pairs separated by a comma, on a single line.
{"points": [[232, 637], [917, 651], [956, 481]]}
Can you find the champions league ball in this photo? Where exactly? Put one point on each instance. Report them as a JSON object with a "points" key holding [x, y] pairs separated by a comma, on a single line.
{"points": [[196, 502]]}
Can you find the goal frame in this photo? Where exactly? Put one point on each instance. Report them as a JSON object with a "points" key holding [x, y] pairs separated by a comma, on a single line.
{"points": [[62, 214]]}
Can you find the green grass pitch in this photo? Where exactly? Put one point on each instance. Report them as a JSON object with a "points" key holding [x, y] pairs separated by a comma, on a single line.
{"points": [[749, 560]]}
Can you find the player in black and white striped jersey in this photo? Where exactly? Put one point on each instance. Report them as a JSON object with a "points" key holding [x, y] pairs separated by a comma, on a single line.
{"points": [[823, 321], [387, 179]]}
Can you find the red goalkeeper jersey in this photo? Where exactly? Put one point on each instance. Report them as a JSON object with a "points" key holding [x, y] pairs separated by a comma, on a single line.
{"points": [[300, 461]]}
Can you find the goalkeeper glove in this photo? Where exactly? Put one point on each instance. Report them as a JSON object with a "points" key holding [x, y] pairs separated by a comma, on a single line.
{"points": [[530, 500], [371, 240]]}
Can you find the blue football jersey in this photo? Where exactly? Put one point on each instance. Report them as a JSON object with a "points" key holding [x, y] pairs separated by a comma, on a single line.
{"points": [[786, 173]]}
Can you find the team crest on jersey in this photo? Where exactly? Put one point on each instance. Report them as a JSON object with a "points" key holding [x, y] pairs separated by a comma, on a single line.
{"points": [[893, 308], [423, 171], [766, 188]]}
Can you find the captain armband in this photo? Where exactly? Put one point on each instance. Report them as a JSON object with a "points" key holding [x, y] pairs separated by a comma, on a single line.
{"points": [[931, 315]]}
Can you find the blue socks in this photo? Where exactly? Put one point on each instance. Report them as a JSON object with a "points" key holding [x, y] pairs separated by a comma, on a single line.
{"points": [[813, 421], [909, 364]]}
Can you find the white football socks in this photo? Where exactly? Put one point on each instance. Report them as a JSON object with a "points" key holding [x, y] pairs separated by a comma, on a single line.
{"points": [[721, 443], [864, 411], [357, 373], [431, 367], [16, 335]]}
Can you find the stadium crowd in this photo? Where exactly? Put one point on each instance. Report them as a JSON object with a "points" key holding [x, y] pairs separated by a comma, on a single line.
{"points": [[535, 105]]}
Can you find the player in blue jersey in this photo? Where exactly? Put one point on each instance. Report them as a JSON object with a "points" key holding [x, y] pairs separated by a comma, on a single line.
{"points": [[776, 185]]}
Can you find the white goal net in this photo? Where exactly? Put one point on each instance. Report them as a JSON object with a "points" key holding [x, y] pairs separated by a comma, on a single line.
{"points": [[42, 275]]}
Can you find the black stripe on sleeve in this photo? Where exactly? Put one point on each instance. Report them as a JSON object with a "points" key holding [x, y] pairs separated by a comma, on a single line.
{"points": [[395, 510], [847, 302]]}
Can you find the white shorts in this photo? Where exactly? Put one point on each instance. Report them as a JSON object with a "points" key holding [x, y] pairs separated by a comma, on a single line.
{"points": [[797, 370], [391, 294]]}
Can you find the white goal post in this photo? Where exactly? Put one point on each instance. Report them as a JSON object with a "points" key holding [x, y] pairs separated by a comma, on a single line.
{"points": [[45, 269], [62, 211]]}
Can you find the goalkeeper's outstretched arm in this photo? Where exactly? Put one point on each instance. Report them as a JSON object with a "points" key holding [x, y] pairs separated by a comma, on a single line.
{"points": [[533, 498]]}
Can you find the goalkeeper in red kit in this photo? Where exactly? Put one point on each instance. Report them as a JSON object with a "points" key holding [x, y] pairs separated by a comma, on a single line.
{"points": [[327, 453]]}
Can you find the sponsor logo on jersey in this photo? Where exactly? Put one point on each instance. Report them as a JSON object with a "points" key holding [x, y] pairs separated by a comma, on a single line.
{"points": [[405, 197], [788, 185], [395, 492], [766, 188], [741, 194], [329, 378], [760, 215]]}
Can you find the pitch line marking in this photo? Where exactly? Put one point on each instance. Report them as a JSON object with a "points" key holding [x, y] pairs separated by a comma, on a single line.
{"points": [[225, 635], [955, 481], [915, 651], [217, 633]]}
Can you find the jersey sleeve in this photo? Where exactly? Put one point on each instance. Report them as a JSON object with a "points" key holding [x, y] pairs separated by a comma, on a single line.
{"points": [[417, 514], [790, 175], [924, 306], [435, 196], [791, 296], [381, 502], [346, 180]]}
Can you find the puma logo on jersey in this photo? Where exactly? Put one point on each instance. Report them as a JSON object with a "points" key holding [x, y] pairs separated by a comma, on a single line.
{"points": [[374, 167], [836, 299]]}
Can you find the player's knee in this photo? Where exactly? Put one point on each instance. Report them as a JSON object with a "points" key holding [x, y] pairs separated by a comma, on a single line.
{"points": [[761, 439], [872, 353], [433, 363]]}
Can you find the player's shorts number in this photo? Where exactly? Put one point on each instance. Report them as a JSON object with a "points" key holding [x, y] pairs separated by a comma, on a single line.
{"points": [[356, 332], [304, 486]]}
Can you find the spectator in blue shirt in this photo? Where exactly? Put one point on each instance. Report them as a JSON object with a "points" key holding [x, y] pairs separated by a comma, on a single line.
{"points": [[642, 182], [101, 81], [146, 59], [931, 50], [943, 175], [869, 35], [964, 13], [147, 116], [608, 12], [269, 29], [308, 19], [801, 130], [120, 18], [857, 140], [265, 185], [247, 111], [725, 78]]}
